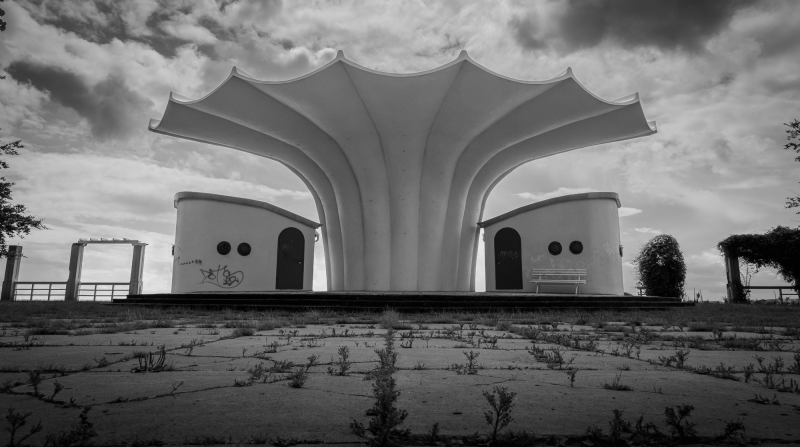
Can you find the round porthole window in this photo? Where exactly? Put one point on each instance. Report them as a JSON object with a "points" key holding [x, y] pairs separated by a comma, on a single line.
{"points": [[576, 247], [554, 248], [243, 249], [224, 248]]}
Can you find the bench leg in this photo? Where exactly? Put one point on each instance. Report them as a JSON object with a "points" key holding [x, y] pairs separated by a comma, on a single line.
{"points": [[537, 287], [576, 288]]}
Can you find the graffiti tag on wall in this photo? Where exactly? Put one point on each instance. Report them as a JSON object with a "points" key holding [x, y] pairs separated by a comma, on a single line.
{"points": [[222, 277]]}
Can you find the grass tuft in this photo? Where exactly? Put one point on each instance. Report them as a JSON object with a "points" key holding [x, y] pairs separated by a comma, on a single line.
{"points": [[617, 385]]}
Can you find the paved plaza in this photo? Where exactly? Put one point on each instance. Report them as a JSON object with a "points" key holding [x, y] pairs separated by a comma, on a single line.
{"points": [[230, 381]]}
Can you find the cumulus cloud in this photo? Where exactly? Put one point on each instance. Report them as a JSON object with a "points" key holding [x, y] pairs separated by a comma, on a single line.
{"points": [[162, 25], [99, 21], [647, 230], [625, 211], [707, 258], [667, 24], [62, 180], [112, 109], [537, 197], [719, 77], [757, 182]]}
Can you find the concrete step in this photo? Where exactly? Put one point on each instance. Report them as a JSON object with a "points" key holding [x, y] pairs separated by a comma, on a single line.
{"points": [[405, 301]]}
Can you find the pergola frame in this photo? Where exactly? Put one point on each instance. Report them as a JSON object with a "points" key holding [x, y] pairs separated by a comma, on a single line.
{"points": [[76, 266]]}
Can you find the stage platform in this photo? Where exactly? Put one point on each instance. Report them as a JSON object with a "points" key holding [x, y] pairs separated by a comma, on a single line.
{"points": [[402, 301]]}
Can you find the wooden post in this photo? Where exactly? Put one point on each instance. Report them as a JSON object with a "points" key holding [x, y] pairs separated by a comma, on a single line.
{"points": [[13, 260], [735, 289], [75, 266], [137, 267]]}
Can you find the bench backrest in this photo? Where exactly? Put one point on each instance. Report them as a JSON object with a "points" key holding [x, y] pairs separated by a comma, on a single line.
{"points": [[558, 272]]}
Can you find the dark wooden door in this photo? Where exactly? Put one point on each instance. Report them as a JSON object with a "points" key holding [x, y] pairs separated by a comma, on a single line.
{"points": [[291, 251], [508, 260]]}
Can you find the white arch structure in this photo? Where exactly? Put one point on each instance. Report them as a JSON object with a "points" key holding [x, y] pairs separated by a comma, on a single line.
{"points": [[401, 165]]}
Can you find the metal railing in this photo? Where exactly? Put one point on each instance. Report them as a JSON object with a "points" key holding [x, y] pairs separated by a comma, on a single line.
{"points": [[89, 291], [39, 290], [780, 289]]}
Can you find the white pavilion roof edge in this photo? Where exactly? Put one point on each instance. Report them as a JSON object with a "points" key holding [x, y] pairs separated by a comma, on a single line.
{"points": [[187, 195], [568, 198], [462, 57]]}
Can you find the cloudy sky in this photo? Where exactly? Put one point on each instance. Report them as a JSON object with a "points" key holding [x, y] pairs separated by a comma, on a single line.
{"points": [[84, 77]]}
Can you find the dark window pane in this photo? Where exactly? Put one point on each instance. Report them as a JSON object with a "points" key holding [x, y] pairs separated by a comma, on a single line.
{"points": [[224, 248]]}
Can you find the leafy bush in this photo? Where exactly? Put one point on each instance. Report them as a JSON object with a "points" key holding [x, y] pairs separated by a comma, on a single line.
{"points": [[660, 267]]}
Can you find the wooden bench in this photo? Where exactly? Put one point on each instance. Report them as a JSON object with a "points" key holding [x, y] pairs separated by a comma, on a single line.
{"points": [[559, 276]]}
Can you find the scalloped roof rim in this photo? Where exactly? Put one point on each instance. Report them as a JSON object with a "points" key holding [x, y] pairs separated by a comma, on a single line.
{"points": [[462, 57], [633, 97]]}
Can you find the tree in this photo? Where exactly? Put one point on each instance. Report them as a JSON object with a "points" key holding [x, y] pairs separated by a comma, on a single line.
{"points": [[660, 267], [794, 133], [2, 22], [14, 222]]}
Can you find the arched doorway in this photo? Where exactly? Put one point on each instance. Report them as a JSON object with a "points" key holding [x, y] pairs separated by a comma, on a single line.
{"points": [[508, 260], [291, 250]]}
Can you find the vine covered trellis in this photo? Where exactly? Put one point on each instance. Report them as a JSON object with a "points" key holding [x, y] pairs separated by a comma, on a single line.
{"points": [[778, 248]]}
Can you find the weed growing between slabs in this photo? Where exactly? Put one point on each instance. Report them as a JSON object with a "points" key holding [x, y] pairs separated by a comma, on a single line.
{"points": [[343, 363], [79, 434], [383, 429], [617, 384], [501, 402]]}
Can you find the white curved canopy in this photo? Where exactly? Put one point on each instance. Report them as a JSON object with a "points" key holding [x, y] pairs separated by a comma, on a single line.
{"points": [[401, 165]]}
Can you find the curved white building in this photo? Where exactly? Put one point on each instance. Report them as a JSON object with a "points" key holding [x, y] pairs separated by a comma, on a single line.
{"points": [[401, 165], [230, 244], [577, 231]]}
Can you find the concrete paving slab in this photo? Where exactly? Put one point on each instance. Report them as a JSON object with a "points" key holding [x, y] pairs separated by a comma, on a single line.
{"points": [[69, 357], [737, 359]]}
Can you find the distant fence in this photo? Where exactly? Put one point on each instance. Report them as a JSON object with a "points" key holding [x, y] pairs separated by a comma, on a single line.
{"points": [[91, 291], [781, 294], [56, 291], [39, 291], [73, 289]]}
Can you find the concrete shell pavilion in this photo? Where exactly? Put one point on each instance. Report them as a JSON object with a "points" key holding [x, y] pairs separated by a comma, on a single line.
{"points": [[401, 165]]}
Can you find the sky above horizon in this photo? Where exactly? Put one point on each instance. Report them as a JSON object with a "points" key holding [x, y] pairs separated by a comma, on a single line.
{"points": [[85, 76]]}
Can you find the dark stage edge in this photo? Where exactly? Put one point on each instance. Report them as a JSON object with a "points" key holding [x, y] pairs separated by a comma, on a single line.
{"points": [[402, 301]]}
